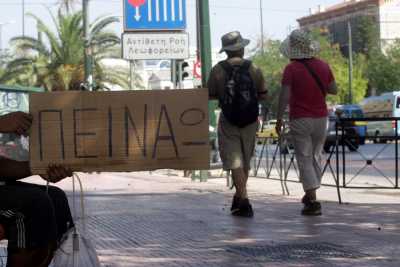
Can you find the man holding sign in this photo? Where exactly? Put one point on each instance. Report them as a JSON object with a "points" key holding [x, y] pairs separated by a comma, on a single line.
{"points": [[31, 219]]}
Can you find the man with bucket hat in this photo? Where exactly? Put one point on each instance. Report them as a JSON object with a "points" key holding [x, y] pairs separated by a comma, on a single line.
{"points": [[238, 85], [306, 82]]}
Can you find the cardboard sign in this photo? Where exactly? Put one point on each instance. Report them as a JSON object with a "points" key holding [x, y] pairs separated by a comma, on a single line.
{"points": [[120, 131]]}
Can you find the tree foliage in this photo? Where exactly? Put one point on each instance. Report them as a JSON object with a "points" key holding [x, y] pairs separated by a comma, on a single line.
{"points": [[384, 70], [67, 5], [55, 60], [273, 63], [331, 54]]}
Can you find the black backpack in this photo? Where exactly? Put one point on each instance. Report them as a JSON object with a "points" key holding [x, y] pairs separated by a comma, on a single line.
{"points": [[239, 102]]}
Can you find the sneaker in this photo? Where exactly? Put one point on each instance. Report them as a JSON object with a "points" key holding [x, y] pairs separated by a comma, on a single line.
{"points": [[311, 208], [245, 209]]}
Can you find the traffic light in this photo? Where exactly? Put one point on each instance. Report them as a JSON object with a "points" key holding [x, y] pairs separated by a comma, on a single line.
{"points": [[181, 72]]}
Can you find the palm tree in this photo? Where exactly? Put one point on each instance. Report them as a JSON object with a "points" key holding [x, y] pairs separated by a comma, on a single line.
{"points": [[55, 60], [67, 5]]}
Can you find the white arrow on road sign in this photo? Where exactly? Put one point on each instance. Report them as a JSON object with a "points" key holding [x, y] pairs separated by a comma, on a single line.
{"points": [[158, 10], [149, 15], [173, 10], [165, 11], [137, 15], [180, 10]]}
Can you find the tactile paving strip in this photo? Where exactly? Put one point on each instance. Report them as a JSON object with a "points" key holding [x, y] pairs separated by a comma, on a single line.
{"points": [[158, 240], [170, 241]]}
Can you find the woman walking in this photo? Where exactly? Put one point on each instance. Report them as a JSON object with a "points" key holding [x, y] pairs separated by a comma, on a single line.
{"points": [[306, 82]]}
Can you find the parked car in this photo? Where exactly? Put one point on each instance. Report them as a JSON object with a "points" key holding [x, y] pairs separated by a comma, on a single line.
{"points": [[354, 132], [355, 112]]}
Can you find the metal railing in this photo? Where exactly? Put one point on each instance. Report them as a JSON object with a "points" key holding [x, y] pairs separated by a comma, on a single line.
{"points": [[337, 162], [368, 161]]}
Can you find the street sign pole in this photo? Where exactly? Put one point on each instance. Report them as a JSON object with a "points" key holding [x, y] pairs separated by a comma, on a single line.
{"points": [[206, 60], [173, 71], [180, 73], [205, 40], [131, 74], [87, 62]]}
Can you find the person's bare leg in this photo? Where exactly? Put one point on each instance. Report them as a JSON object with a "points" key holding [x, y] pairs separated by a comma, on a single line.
{"points": [[246, 175], [241, 205], [240, 180]]}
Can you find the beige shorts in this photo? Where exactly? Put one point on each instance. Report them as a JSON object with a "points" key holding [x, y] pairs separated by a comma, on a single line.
{"points": [[236, 145]]}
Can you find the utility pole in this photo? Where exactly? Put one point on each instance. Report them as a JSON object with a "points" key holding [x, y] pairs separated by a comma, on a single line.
{"points": [[1, 39], [262, 27], [87, 50], [350, 63], [23, 18]]}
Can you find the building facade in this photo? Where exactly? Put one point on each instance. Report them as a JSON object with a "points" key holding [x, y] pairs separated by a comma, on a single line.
{"points": [[383, 17]]}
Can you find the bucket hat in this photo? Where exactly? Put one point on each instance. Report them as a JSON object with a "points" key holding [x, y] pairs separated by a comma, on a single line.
{"points": [[233, 41], [299, 45]]}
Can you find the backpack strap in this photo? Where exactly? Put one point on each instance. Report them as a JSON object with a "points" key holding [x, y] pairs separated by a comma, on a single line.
{"points": [[226, 66], [245, 65]]}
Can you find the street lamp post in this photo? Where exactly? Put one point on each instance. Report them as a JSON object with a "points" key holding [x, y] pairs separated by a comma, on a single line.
{"points": [[350, 46], [23, 18], [262, 27]]}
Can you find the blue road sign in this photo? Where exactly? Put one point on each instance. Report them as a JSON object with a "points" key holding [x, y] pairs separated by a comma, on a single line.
{"points": [[142, 15]]}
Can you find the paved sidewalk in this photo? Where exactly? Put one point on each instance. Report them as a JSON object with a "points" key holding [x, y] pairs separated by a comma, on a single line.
{"points": [[140, 219]]}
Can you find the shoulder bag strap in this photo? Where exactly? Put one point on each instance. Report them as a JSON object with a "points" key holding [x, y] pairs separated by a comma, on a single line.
{"points": [[314, 75]]}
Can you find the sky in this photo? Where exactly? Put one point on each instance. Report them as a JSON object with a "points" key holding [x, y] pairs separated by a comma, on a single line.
{"points": [[225, 16]]}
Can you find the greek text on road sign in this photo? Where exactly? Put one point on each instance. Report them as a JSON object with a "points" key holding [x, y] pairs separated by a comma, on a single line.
{"points": [[142, 15], [137, 46]]}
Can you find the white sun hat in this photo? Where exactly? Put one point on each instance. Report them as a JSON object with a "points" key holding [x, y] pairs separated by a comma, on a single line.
{"points": [[299, 45]]}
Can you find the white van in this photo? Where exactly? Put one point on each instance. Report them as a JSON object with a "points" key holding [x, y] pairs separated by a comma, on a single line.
{"points": [[386, 105]]}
